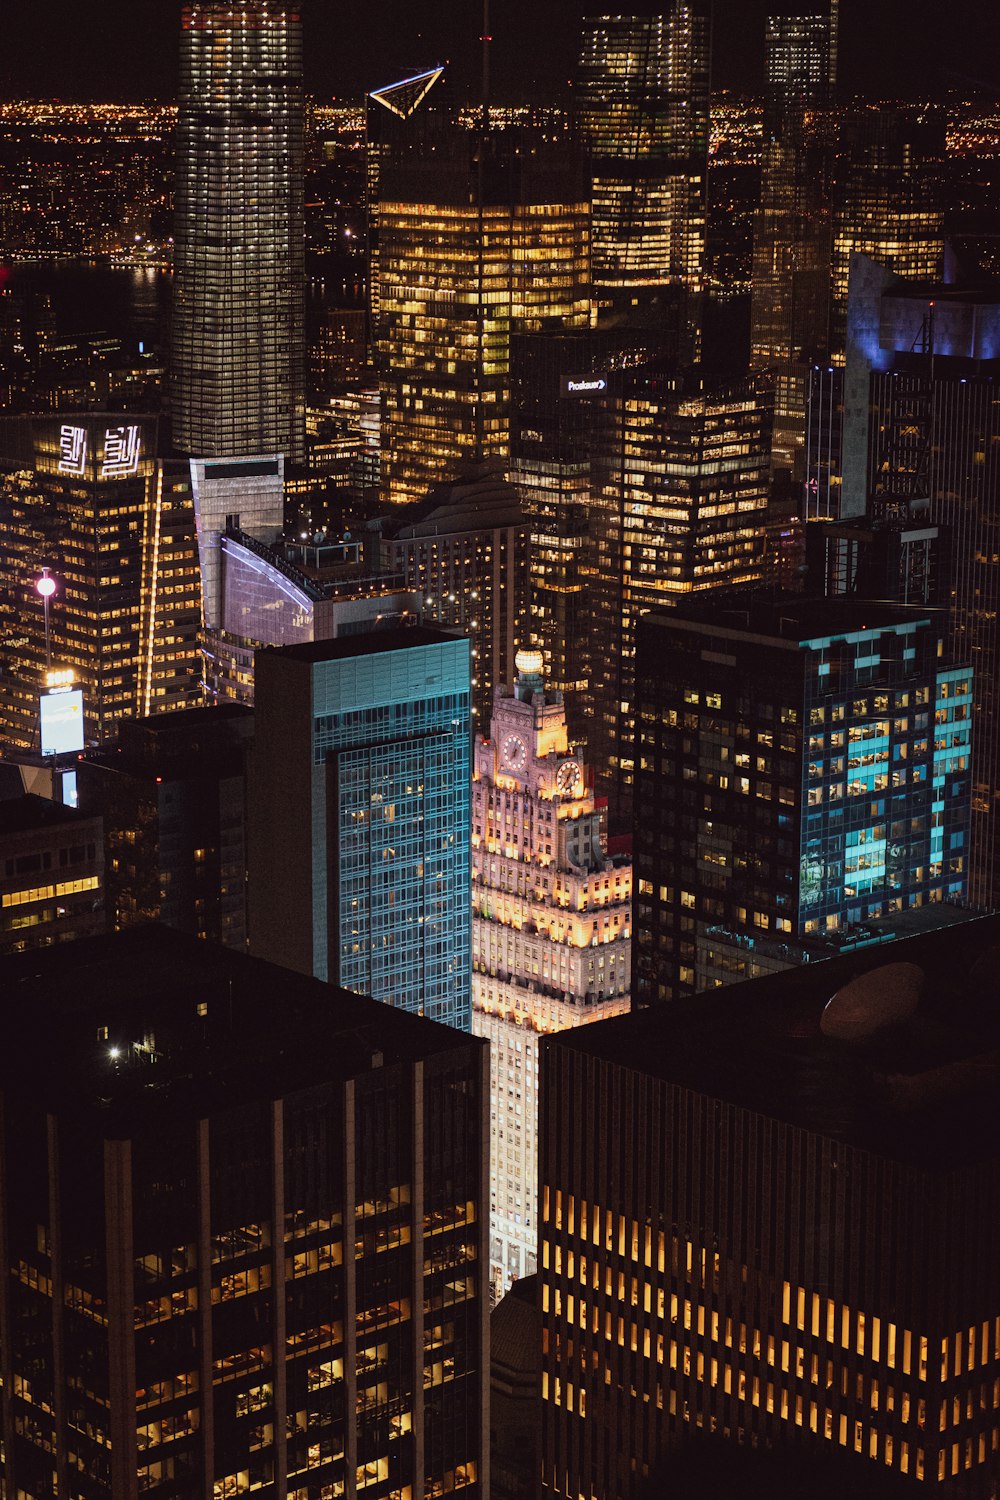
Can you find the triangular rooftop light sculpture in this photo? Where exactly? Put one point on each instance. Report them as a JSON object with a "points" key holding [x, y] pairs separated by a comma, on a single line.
{"points": [[402, 98]]}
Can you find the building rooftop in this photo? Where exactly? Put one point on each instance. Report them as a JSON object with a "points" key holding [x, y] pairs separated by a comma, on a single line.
{"points": [[19, 814], [373, 643], [480, 498], [792, 618], [111, 1028], [921, 1089]]}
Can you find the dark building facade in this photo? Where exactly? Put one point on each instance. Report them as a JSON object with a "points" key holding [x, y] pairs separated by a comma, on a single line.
{"points": [[238, 332], [51, 874], [463, 549], [756, 1231], [803, 785], [244, 1229], [172, 797], [921, 451]]}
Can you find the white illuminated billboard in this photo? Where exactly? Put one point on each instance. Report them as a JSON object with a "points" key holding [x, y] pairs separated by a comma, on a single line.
{"points": [[62, 722]]}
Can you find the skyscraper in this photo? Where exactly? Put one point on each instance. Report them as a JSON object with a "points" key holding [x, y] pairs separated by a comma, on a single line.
{"points": [[642, 106], [802, 787], [238, 331], [480, 234], [85, 497], [922, 450], [558, 378], [800, 66], [678, 500], [389, 118], [771, 1216], [358, 817], [790, 284], [464, 549], [244, 1232], [551, 932], [887, 199]]}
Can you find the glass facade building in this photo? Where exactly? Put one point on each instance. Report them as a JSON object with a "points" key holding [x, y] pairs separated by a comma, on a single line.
{"points": [[557, 380], [244, 1229], [887, 201], [803, 786], [678, 502], [359, 842], [238, 328], [478, 237], [790, 283], [642, 107]]}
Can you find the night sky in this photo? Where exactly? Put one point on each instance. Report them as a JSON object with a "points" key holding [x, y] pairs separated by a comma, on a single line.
{"points": [[126, 49]]}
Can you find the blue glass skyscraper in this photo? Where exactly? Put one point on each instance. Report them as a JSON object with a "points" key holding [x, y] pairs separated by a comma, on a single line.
{"points": [[359, 822]]}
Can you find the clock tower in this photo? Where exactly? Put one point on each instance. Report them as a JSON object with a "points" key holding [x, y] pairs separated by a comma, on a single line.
{"points": [[551, 930], [529, 743]]}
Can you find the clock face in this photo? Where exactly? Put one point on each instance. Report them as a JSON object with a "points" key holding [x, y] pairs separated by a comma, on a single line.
{"points": [[514, 752], [568, 777]]}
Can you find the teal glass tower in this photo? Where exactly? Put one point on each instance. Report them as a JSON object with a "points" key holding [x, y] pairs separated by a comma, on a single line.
{"points": [[359, 817], [238, 334]]}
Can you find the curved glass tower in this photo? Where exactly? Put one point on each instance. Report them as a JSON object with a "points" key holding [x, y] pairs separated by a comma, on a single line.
{"points": [[238, 344]]}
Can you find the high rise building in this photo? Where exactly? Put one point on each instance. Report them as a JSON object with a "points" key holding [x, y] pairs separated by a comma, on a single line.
{"points": [[747, 1200], [86, 498], [244, 1232], [887, 199], [389, 120], [557, 377], [678, 502], [480, 234], [800, 66], [803, 786], [551, 932], [463, 549], [642, 107], [238, 329], [790, 282], [921, 451], [358, 817], [171, 795], [51, 874]]}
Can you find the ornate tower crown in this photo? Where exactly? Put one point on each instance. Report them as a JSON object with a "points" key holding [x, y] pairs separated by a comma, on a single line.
{"points": [[530, 674]]}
